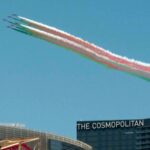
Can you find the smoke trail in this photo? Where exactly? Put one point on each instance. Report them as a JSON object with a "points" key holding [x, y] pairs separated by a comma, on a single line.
{"points": [[95, 48], [78, 45]]}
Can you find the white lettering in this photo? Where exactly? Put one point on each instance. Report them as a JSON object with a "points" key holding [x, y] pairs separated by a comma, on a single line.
{"points": [[141, 123], [94, 126], [83, 126], [107, 124], [110, 124]]}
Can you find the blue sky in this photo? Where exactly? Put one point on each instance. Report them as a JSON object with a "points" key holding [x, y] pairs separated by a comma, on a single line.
{"points": [[49, 88]]}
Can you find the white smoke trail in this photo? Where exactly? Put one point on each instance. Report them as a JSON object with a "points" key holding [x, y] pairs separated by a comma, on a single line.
{"points": [[85, 48]]}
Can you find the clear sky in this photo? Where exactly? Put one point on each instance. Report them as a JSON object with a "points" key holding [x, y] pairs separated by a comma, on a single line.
{"points": [[49, 88]]}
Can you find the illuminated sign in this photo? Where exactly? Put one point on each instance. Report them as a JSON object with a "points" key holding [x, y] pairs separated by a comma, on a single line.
{"points": [[109, 124]]}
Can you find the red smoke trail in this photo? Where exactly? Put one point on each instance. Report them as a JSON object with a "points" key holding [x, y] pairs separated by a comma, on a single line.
{"points": [[85, 48]]}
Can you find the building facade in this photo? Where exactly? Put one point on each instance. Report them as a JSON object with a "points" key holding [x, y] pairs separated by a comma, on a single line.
{"points": [[46, 141], [115, 134]]}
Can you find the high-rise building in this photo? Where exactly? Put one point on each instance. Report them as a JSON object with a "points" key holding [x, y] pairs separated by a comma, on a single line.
{"points": [[115, 134]]}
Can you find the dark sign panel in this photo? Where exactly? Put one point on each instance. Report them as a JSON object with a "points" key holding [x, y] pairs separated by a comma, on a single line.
{"points": [[94, 125]]}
